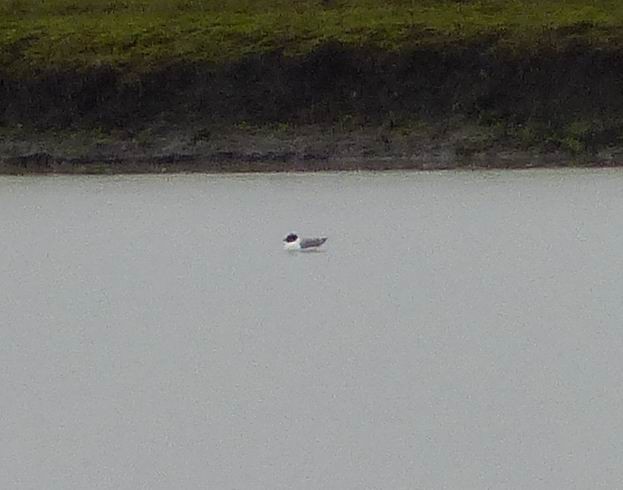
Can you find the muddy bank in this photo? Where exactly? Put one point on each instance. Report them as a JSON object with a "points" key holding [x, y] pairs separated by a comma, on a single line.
{"points": [[548, 86], [473, 104], [309, 148]]}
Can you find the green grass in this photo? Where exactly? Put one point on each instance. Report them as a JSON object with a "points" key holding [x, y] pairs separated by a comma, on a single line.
{"points": [[139, 36]]}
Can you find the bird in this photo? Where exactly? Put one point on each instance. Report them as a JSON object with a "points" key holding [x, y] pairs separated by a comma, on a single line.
{"points": [[294, 242]]}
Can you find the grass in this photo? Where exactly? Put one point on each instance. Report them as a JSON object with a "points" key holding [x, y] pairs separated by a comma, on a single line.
{"points": [[139, 36]]}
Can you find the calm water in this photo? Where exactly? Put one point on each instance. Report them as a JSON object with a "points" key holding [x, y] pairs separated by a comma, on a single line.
{"points": [[461, 330]]}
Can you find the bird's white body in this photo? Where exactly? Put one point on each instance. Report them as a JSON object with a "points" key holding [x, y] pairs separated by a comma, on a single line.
{"points": [[295, 245]]}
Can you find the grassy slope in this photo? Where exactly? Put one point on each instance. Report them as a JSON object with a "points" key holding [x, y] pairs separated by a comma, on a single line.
{"points": [[142, 35], [136, 38]]}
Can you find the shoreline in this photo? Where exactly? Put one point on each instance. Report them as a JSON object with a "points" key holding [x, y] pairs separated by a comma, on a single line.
{"points": [[306, 149], [32, 165]]}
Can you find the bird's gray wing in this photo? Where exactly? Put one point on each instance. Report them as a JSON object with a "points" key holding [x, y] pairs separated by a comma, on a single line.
{"points": [[312, 242]]}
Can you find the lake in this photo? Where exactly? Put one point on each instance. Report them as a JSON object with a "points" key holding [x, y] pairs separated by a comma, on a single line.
{"points": [[460, 330]]}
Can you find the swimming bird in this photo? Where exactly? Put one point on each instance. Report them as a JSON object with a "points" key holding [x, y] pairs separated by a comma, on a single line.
{"points": [[294, 242]]}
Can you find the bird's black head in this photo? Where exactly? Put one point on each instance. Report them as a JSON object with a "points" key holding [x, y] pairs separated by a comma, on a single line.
{"points": [[290, 238]]}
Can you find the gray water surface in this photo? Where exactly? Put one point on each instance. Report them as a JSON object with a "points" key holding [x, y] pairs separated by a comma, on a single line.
{"points": [[460, 330]]}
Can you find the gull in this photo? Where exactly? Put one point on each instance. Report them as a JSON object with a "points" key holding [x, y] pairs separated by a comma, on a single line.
{"points": [[294, 242]]}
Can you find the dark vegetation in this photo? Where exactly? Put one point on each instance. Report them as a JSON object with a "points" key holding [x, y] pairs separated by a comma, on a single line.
{"points": [[541, 74]]}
